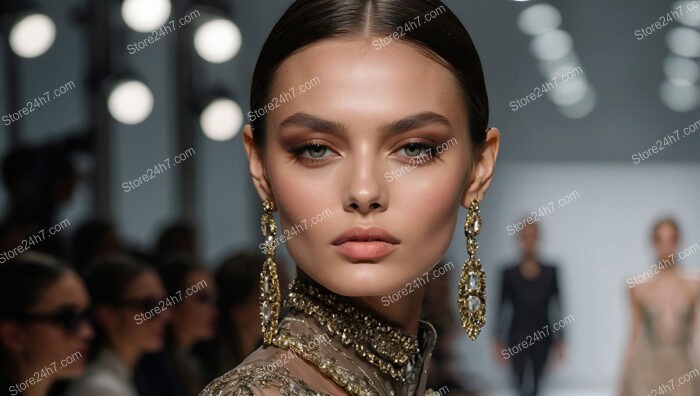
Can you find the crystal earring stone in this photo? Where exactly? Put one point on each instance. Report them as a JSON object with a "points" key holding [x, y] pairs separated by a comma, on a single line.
{"points": [[474, 303], [266, 310], [473, 282]]}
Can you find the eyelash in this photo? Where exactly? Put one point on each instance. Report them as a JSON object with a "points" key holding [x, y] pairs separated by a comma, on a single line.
{"points": [[298, 152]]}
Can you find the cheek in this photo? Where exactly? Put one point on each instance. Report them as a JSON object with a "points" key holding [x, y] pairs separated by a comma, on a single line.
{"points": [[45, 344], [133, 331], [426, 204], [192, 315], [305, 206]]}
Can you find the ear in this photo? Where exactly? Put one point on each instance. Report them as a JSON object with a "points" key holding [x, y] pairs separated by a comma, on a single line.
{"points": [[256, 165], [11, 337], [482, 168]]}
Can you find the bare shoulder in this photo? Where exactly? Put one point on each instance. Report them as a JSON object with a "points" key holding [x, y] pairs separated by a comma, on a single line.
{"points": [[692, 281], [258, 378]]}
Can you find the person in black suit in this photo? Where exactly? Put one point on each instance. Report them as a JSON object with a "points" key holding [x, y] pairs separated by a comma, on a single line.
{"points": [[529, 315]]}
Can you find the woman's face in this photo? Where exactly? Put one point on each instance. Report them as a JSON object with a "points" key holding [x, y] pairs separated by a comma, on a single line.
{"points": [[378, 138], [146, 335], [195, 316], [665, 241], [44, 343]]}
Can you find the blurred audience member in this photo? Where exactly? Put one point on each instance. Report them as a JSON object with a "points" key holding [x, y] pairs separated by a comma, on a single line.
{"points": [[44, 333], [193, 320], [127, 302], [39, 180], [93, 239], [178, 237], [238, 285]]}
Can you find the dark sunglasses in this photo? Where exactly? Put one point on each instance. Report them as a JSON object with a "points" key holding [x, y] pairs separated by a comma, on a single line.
{"points": [[204, 298], [69, 319], [143, 304]]}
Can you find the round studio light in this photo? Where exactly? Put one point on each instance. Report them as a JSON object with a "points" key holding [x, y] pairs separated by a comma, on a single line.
{"points": [[679, 96], [221, 120], [552, 45], [582, 107], [690, 12], [32, 35], [217, 40], [684, 41], [130, 102], [538, 19], [145, 15], [680, 70]]}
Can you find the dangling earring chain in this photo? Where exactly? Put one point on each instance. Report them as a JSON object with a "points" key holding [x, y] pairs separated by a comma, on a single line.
{"points": [[269, 281], [472, 284]]}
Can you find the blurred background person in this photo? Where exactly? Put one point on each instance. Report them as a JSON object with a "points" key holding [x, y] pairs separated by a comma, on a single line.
{"points": [[529, 303], [39, 180], [193, 321], [177, 237], [44, 332], [436, 303], [663, 318], [122, 292], [239, 327], [93, 239]]}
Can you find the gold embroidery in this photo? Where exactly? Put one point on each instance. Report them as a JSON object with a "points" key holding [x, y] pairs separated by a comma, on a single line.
{"points": [[244, 381], [385, 346], [304, 346], [342, 342]]}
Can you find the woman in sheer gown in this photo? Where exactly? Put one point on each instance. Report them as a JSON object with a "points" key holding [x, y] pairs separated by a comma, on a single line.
{"points": [[659, 359]]}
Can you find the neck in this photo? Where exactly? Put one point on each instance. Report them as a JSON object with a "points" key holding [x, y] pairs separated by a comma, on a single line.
{"points": [[404, 313], [183, 340], [39, 388], [364, 323], [126, 354], [667, 265]]}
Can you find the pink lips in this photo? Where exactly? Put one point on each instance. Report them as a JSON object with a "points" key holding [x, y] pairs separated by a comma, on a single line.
{"points": [[365, 243]]}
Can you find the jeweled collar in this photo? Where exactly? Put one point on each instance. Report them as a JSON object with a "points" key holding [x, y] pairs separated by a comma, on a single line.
{"points": [[384, 345]]}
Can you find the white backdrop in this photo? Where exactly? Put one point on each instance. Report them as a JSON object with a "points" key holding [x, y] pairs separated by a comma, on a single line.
{"points": [[598, 239]]}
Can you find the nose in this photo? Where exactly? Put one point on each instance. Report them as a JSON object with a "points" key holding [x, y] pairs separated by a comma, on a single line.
{"points": [[166, 316], [86, 330], [366, 187]]}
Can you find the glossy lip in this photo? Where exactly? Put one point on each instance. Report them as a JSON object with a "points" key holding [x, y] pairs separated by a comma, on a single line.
{"points": [[361, 243]]}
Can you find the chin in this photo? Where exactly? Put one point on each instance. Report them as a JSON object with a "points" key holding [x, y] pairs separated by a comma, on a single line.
{"points": [[363, 280], [210, 334], [72, 372], [154, 346]]}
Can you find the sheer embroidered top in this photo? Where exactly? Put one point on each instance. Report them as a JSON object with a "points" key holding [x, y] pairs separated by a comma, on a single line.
{"points": [[327, 345]]}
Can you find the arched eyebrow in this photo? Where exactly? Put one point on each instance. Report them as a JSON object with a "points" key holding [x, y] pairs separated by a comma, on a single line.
{"points": [[308, 121], [414, 121]]}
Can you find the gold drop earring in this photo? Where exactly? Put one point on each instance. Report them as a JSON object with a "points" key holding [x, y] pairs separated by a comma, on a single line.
{"points": [[471, 292], [269, 281]]}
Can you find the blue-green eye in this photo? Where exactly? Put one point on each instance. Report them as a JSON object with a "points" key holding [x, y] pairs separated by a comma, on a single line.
{"points": [[316, 151], [413, 150], [312, 152]]}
